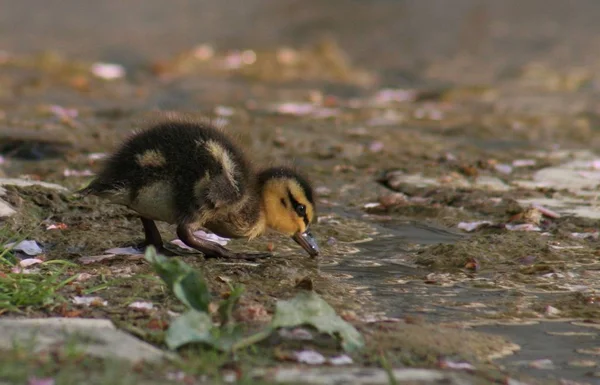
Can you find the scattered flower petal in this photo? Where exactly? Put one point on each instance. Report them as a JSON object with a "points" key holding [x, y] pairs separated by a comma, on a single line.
{"points": [[139, 305], [27, 247], [124, 251], [95, 258], [40, 381], [63, 113], [29, 262], [230, 377], [341, 360], [57, 226], [108, 71], [523, 162], [376, 146], [503, 168], [176, 376], [202, 235], [546, 211], [472, 226], [447, 364], [388, 95], [593, 235], [224, 111], [372, 318], [68, 172], [97, 155], [522, 227], [371, 205], [83, 277], [310, 357], [543, 363], [203, 52], [89, 301], [21, 267], [551, 311], [296, 334], [304, 109]]}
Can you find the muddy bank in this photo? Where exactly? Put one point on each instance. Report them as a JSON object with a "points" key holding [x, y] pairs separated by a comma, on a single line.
{"points": [[441, 208]]}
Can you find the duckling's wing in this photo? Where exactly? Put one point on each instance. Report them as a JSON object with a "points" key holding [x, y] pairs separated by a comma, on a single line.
{"points": [[223, 192]]}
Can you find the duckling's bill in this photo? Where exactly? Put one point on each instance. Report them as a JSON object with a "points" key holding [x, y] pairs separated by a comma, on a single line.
{"points": [[307, 241]]}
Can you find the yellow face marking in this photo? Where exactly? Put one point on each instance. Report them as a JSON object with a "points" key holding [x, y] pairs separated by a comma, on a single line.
{"points": [[151, 158], [283, 217], [223, 157]]}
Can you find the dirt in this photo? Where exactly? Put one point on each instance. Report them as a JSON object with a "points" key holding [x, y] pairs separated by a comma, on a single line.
{"points": [[397, 171]]}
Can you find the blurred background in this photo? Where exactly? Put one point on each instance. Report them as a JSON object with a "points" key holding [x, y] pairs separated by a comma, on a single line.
{"points": [[401, 39]]}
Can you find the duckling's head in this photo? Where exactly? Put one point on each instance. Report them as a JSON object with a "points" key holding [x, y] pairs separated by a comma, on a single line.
{"points": [[288, 203]]}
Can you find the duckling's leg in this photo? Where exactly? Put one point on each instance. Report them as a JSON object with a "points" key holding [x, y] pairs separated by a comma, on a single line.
{"points": [[153, 237], [211, 249], [151, 233]]}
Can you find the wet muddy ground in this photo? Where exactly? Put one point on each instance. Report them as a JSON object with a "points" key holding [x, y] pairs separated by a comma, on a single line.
{"points": [[456, 189]]}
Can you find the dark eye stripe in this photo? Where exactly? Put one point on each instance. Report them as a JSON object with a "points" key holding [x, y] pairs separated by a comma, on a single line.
{"points": [[295, 205]]}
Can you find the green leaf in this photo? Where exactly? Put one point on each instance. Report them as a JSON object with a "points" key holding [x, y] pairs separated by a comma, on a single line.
{"points": [[307, 308], [192, 326], [185, 282], [197, 327]]}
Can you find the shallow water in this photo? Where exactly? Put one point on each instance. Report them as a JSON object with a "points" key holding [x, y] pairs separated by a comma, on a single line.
{"points": [[406, 43]]}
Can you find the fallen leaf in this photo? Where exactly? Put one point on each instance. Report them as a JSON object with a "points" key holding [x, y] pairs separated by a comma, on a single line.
{"points": [[196, 326]]}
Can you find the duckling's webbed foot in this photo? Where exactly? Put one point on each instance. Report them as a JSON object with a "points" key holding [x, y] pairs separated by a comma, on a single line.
{"points": [[211, 249]]}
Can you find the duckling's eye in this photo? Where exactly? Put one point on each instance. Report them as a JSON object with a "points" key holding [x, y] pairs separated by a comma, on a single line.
{"points": [[301, 210]]}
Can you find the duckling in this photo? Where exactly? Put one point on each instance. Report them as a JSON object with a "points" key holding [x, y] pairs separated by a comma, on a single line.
{"points": [[193, 175]]}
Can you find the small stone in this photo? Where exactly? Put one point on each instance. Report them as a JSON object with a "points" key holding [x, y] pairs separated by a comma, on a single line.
{"points": [[101, 338]]}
